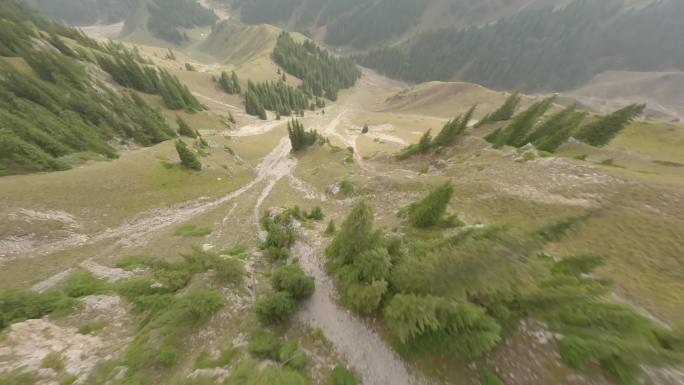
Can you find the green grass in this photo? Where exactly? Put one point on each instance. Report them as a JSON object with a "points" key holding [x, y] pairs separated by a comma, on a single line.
{"points": [[192, 231], [668, 163], [488, 377], [92, 327], [131, 262], [17, 377], [54, 361]]}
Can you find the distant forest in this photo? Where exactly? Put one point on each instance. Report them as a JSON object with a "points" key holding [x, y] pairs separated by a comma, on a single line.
{"points": [[167, 16], [544, 49], [86, 12], [359, 23]]}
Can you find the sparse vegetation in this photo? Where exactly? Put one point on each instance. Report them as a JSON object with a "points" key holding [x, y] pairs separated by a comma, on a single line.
{"points": [[192, 231]]}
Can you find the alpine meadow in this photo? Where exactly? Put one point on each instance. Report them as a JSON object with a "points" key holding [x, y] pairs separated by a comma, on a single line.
{"points": [[341, 192]]}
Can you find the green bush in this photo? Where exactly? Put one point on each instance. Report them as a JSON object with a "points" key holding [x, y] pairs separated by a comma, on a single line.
{"points": [[331, 228], [17, 377], [200, 304], [275, 308], [229, 270], [17, 306], [488, 377], [373, 265], [131, 262], [265, 344], [438, 325], [292, 279], [82, 283], [342, 376], [316, 214], [291, 356], [363, 298], [167, 356]]}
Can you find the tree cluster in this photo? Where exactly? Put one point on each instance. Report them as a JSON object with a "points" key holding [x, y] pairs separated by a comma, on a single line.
{"points": [[299, 137], [274, 96], [42, 122], [516, 132], [450, 133], [550, 133], [322, 74], [124, 66], [229, 83]]}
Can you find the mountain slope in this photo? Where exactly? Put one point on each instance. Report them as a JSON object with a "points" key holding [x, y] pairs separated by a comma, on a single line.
{"points": [[544, 49], [58, 103]]}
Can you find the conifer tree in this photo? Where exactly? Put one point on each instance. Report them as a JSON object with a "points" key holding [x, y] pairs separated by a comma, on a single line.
{"points": [[188, 158], [505, 112], [602, 131], [430, 210], [355, 236], [184, 129], [299, 137], [516, 132]]}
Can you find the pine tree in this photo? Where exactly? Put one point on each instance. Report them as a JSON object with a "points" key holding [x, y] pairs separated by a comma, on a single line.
{"points": [[454, 129], [505, 112], [516, 132], [355, 236], [299, 137], [553, 141], [188, 158], [430, 210], [184, 129], [602, 131]]}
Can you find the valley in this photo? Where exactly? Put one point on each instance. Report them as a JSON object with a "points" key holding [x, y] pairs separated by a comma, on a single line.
{"points": [[159, 274]]}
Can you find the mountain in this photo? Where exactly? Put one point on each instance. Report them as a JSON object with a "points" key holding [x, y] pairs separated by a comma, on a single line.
{"points": [[547, 49], [534, 45], [87, 12], [165, 20], [57, 105]]}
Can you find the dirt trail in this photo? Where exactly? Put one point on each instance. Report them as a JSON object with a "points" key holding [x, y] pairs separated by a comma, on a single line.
{"points": [[364, 350]]}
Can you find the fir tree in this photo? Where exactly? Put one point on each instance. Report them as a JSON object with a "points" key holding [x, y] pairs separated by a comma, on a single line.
{"points": [[184, 129], [454, 129], [602, 131], [299, 137], [516, 132], [188, 158], [430, 210], [505, 112], [355, 236], [322, 74]]}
